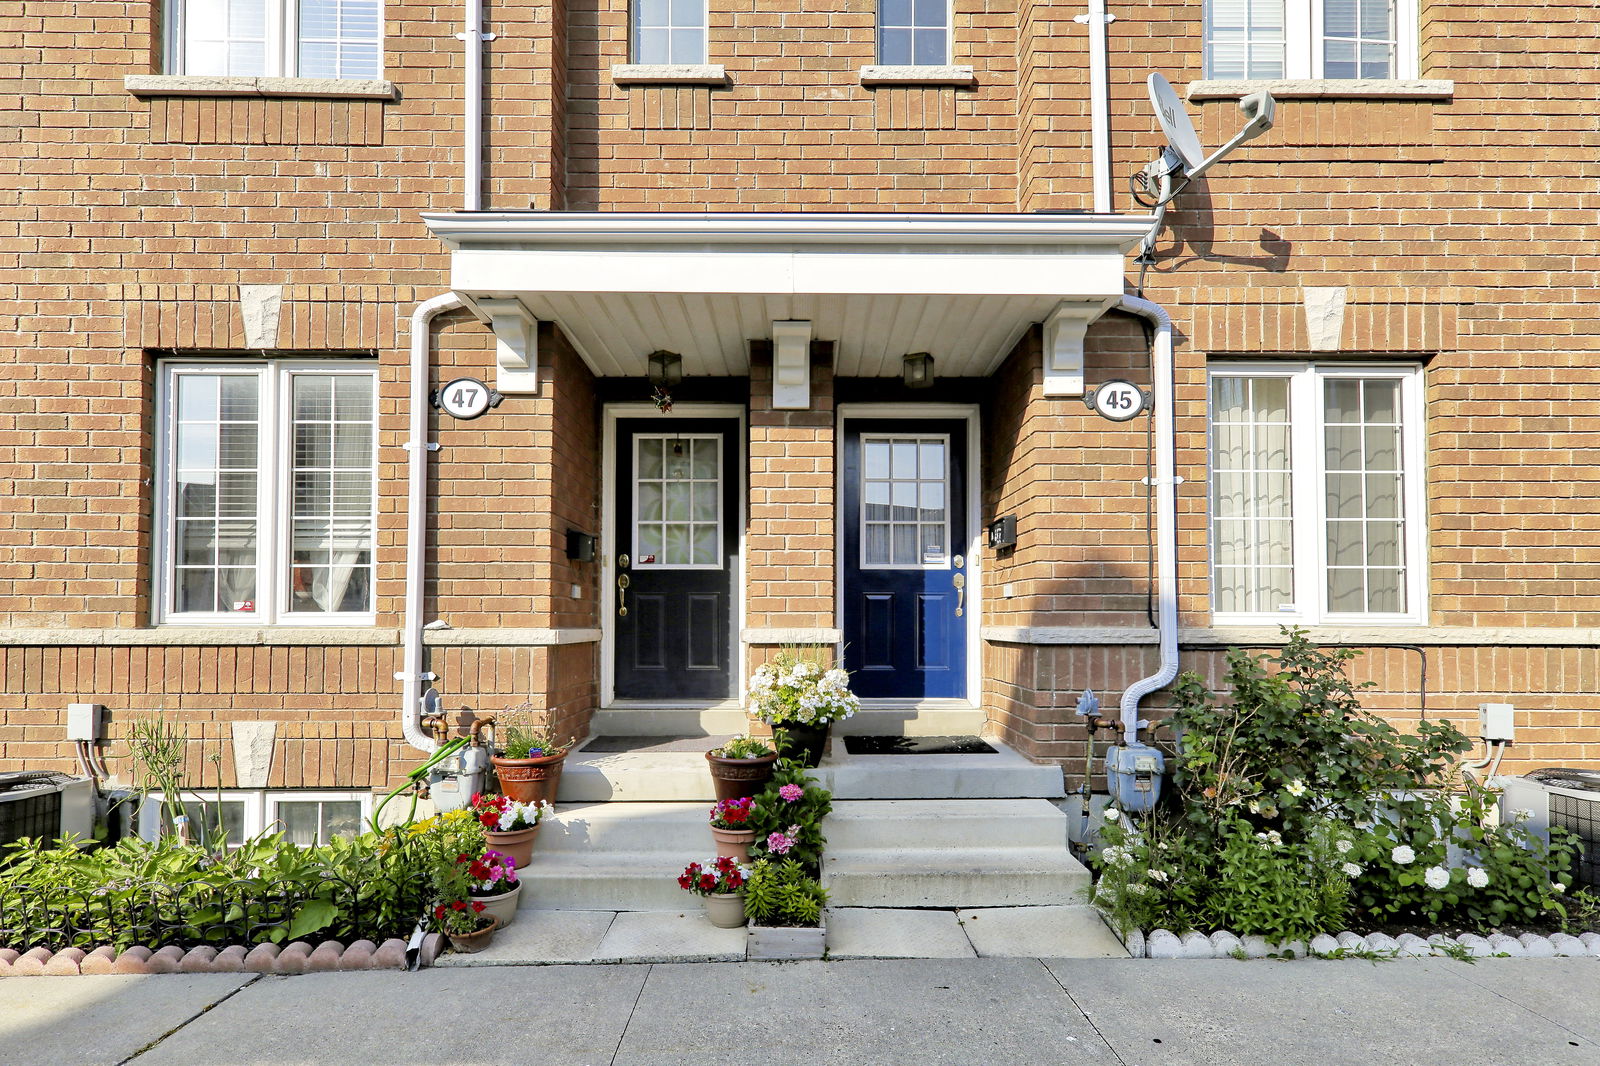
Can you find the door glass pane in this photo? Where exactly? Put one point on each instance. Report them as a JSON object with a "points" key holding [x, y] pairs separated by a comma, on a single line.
{"points": [[678, 493], [905, 496]]}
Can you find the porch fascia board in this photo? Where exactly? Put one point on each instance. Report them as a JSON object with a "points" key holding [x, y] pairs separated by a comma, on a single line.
{"points": [[964, 286]]}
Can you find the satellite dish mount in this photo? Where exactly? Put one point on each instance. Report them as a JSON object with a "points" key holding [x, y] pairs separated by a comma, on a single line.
{"points": [[1184, 160]]}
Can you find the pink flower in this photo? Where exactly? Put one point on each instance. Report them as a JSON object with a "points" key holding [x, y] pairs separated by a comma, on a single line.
{"points": [[779, 843], [790, 793]]}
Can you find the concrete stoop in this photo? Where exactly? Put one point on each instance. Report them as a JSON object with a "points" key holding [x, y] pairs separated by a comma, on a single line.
{"points": [[914, 842]]}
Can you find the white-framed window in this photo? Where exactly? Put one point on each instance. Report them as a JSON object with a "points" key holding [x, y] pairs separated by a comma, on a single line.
{"points": [[670, 32], [913, 33], [1316, 493], [266, 498], [275, 38], [304, 817], [1329, 39]]}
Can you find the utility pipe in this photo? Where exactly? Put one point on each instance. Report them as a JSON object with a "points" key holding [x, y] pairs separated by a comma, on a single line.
{"points": [[417, 522], [472, 38], [1166, 490], [1100, 106]]}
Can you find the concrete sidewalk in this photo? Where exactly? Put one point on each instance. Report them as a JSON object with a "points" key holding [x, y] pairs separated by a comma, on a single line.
{"points": [[1005, 1012]]}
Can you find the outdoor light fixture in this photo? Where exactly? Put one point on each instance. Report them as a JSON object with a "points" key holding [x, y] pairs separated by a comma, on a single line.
{"points": [[917, 371], [666, 369]]}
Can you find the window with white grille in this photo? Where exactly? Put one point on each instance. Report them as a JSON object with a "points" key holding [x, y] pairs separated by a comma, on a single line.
{"points": [[1316, 493], [275, 38], [1332, 39]]}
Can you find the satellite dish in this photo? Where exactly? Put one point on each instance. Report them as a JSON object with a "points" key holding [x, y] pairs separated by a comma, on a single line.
{"points": [[1175, 122], [1184, 159]]}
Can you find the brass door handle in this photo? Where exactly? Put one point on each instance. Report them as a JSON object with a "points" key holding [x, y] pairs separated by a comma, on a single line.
{"points": [[622, 595], [960, 582]]}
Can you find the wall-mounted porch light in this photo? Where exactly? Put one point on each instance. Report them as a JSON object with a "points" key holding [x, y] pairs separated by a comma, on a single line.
{"points": [[917, 370], [665, 369]]}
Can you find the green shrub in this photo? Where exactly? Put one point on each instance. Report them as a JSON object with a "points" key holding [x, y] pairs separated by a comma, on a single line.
{"points": [[784, 893], [796, 819]]}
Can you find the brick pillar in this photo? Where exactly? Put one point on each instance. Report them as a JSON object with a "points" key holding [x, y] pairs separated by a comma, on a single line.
{"points": [[789, 577]]}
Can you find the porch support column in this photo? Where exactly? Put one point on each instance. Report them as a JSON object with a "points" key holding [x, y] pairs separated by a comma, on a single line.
{"points": [[789, 549]]}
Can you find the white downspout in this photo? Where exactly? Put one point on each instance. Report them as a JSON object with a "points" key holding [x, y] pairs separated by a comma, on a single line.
{"points": [[411, 672], [1100, 105], [472, 38], [1166, 489]]}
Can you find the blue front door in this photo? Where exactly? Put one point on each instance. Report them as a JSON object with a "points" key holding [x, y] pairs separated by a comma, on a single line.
{"points": [[905, 539]]}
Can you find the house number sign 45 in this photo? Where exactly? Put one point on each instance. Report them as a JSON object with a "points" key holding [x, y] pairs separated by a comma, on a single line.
{"points": [[1119, 400], [466, 398]]}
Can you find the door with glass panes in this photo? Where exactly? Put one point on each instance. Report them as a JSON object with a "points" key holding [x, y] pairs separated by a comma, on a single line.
{"points": [[905, 572], [677, 538]]}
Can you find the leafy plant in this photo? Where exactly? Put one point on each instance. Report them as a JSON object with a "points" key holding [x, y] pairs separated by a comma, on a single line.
{"points": [[743, 748], [794, 689], [787, 816], [518, 735], [784, 892]]}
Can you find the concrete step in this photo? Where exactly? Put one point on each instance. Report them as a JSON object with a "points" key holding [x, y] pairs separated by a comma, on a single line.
{"points": [[926, 718], [609, 880], [882, 825], [964, 877], [678, 828], [593, 777]]}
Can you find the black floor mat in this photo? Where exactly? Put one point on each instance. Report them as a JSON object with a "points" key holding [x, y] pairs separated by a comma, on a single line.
{"points": [[917, 746]]}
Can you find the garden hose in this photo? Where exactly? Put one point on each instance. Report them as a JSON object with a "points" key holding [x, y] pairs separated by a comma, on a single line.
{"points": [[415, 778]]}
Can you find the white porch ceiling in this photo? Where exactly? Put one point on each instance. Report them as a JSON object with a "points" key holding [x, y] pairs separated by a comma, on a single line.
{"points": [[961, 287]]}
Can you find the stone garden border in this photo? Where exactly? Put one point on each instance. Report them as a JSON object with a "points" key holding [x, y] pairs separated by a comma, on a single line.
{"points": [[1165, 944], [298, 957]]}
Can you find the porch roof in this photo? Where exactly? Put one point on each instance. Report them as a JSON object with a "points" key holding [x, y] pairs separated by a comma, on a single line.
{"points": [[963, 287]]}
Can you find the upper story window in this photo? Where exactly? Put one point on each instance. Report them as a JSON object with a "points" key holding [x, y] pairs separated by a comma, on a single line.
{"points": [[1316, 494], [671, 32], [913, 32], [1340, 39], [267, 493], [274, 38]]}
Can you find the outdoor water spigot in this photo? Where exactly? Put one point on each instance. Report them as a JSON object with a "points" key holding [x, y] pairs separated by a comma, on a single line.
{"points": [[479, 723]]}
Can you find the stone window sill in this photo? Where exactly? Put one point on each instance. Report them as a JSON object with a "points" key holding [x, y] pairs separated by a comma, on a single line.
{"points": [[1325, 89], [669, 74], [956, 76], [308, 88]]}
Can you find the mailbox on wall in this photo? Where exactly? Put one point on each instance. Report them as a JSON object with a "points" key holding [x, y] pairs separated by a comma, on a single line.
{"points": [[580, 546], [1003, 533]]}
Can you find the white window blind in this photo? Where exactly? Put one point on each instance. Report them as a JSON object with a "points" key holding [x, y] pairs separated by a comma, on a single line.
{"points": [[1334, 39], [275, 38]]}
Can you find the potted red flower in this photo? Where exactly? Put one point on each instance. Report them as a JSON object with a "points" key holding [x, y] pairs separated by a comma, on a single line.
{"points": [[721, 882], [730, 827], [494, 884], [465, 923], [509, 826]]}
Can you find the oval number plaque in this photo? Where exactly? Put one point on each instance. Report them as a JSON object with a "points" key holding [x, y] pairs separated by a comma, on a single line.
{"points": [[465, 398], [1118, 400]]}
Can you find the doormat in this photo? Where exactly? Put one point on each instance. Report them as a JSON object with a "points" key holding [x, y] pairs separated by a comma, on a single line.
{"points": [[968, 745], [607, 745]]}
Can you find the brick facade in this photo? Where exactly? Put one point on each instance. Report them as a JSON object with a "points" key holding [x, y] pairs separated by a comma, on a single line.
{"points": [[133, 224]]}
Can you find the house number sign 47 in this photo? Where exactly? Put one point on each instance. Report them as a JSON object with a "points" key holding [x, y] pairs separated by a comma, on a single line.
{"points": [[1119, 400], [466, 398]]}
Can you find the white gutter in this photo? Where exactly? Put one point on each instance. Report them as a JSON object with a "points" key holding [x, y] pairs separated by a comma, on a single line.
{"points": [[411, 672], [472, 38], [526, 229], [1100, 106], [1166, 490]]}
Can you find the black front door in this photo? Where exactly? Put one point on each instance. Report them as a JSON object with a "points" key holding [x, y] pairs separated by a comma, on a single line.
{"points": [[677, 536]]}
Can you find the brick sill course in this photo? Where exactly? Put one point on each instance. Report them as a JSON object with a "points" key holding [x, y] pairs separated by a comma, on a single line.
{"points": [[947, 75], [1326, 89], [307, 88]]}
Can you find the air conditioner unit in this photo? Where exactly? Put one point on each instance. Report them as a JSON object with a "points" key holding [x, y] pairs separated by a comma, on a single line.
{"points": [[45, 805], [1566, 798]]}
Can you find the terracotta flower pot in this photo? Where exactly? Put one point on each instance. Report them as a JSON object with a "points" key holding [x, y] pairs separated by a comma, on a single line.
{"points": [[726, 910], [518, 844], [734, 778], [470, 943], [734, 843], [805, 742], [502, 906], [529, 780]]}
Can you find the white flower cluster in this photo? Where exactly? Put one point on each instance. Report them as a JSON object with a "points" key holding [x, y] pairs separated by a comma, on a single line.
{"points": [[1116, 856], [1437, 878], [531, 813], [1403, 855], [798, 691]]}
